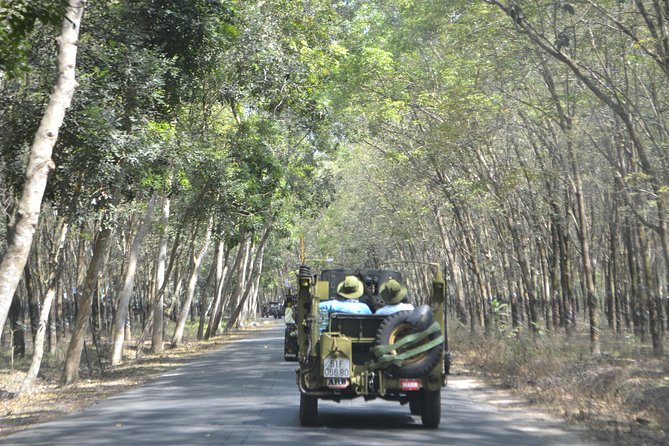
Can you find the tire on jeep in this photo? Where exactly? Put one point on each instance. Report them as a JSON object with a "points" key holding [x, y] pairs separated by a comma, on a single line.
{"points": [[395, 327], [308, 410]]}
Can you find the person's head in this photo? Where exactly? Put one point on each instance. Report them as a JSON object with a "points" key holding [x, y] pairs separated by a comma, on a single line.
{"points": [[350, 288], [392, 292]]}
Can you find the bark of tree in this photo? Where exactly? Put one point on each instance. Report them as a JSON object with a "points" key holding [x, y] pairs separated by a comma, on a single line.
{"points": [[239, 282], [33, 302], [125, 293], [40, 162], [225, 292], [254, 271], [85, 298], [159, 299], [17, 335], [205, 303], [654, 316], [190, 290], [38, 347], [216, 310]]}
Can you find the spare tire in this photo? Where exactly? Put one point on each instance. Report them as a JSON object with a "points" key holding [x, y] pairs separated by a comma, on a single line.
{"points": [[396, 326]]}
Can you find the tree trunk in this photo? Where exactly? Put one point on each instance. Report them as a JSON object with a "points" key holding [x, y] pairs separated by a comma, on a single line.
{"points": [[159, 300], [654, 317], [125, 293], [520, 246], [40, 162], [38, 346], [18, 335], [213, 327], [221, 280], [205, 304], [254, 271], [33, 302], [76, 346], [238, 284], [190, 290]]}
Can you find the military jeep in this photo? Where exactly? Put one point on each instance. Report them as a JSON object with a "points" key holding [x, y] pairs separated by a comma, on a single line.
{"points": [[398, 357]]}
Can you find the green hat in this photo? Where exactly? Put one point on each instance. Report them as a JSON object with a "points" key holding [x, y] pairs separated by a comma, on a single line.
{"points": [[392, 292], [350, 288]]}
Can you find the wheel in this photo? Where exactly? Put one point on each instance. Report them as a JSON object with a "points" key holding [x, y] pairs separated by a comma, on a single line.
{"points": [[414, 406], [430, 408], [394, 328], [308, 410]]}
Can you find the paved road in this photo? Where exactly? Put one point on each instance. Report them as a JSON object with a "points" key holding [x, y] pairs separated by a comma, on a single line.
{"points": [[245, 394]]}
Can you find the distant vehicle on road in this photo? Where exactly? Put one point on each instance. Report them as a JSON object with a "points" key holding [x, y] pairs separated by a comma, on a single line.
{"points": [[273, 309]]}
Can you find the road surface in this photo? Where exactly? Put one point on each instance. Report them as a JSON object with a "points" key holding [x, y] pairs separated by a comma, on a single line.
{"points": [[245, 394]]}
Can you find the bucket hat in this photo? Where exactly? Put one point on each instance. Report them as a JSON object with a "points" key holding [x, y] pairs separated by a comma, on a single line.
{"points": [[350, 288], [392, 292]]}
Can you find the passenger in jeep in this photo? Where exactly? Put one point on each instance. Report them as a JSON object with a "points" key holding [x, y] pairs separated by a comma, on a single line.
{"points": [[394, 295], [346, 301]]}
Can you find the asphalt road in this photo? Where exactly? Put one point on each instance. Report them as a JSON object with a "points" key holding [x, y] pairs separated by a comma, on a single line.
{"points": [[245, 394]]}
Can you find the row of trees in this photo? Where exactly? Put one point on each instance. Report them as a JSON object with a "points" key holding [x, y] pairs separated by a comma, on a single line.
{"points": [[193, 143], [524, 145]]}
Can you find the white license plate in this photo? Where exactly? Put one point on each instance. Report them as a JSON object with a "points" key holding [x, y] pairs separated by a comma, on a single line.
{"points": [[337, 383], [336, 367]]}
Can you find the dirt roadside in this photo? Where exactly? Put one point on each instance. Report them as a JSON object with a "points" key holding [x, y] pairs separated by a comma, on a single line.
{"points": [[620, 399]]}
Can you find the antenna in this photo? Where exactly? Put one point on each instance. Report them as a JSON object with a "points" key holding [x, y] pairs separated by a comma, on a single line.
{"points": [[302, 249]]}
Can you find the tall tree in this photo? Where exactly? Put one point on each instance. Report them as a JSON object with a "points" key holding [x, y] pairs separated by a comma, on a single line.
{"points": [[40, 162]]}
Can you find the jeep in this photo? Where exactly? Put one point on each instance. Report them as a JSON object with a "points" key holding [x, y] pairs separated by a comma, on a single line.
{"points": [[398, 357]]}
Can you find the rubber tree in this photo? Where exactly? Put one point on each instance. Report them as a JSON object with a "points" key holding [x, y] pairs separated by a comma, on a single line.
{"points": [[197, 256], [609, 89], [128, 283], [54, 275], [40, 162]]}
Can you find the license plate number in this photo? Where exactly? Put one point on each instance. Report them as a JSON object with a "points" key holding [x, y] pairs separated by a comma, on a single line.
{"points": [[336, 367]]}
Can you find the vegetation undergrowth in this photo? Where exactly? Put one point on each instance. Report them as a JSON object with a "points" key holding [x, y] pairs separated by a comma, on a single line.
{"points": [[623, 396]]}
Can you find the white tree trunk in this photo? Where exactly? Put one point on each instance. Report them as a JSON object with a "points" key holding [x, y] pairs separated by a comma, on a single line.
{"points": [[38, 349], [40, 162], [190, 290], [157, 335], [255, 268], [129, 284]]}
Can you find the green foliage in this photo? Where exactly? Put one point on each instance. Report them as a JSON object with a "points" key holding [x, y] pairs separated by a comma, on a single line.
{"points": [[18, 19]]}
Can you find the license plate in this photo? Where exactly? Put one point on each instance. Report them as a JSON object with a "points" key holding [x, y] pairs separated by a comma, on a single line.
{"points": [[410, 384], [336, 367], [337, 383]]}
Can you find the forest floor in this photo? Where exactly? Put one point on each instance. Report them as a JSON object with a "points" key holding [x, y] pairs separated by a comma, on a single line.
{"points": [[621, 398]]}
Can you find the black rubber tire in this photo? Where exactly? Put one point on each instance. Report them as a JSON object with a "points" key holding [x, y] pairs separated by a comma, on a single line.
{"points": [[414, 406], [308, 410], [430, 408], [393, 328]]}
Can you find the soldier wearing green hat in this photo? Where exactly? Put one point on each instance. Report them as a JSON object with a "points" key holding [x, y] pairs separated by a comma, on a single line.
{"points": [[348, 292], [393, 294]]}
